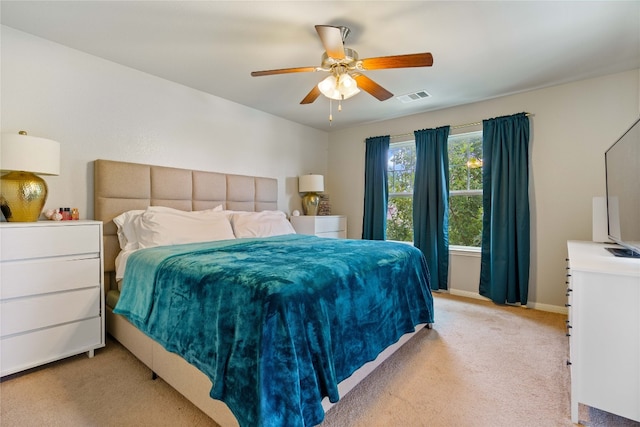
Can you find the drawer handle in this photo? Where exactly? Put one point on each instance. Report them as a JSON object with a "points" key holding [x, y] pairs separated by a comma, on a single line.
{"points": [[567, 305], [568, 363]]}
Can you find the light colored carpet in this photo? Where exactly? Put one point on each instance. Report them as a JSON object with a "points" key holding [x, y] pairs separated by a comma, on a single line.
{"points": [[481, 365]]}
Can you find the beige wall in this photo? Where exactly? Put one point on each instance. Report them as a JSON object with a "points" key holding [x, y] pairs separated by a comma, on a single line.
{"points": [[571, 127], [99, 109]]}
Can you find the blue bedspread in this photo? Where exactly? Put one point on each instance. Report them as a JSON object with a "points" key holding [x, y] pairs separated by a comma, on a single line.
{"points": [[276, 323]]}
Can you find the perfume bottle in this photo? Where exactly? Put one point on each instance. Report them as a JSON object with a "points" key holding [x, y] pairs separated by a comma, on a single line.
{"points": [[75, 214]]}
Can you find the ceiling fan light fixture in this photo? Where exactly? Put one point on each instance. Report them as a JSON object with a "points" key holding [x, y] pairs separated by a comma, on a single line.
{"points": [[346, 83], [328, 86], [341, 87]]}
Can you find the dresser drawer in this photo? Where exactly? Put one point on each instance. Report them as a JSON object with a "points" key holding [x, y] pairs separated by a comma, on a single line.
{"points": [[48, 241], [24, 278], [19, 352], [321, 226], [26, 314], [333, 234], [330, 223]]}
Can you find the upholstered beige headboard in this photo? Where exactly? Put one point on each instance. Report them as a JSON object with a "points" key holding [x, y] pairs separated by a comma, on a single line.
{"points": [[122, 186]]}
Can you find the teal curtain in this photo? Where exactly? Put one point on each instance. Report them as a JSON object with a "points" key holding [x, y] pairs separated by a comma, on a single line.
{"points": [[431, 202], [374, 224], [504, 262]]}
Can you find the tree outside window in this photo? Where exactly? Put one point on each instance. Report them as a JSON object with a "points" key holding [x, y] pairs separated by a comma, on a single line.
{"points": [[465, 190]]}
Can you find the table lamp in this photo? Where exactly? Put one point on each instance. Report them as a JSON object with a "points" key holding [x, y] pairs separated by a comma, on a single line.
{"points": [[311, 185], [22, 192]]}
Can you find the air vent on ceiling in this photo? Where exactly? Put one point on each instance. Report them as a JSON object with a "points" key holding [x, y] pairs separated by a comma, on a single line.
{"points": [[412, 97]]}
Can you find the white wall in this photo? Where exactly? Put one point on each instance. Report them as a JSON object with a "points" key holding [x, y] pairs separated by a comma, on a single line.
{"points": [[98, 109], [571, 127]]}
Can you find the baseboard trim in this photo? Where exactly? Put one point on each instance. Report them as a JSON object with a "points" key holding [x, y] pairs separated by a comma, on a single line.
{"points": [[534, 305]]}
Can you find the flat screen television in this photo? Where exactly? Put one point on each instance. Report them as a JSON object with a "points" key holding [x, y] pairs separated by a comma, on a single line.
{"points": [[622, 162]]}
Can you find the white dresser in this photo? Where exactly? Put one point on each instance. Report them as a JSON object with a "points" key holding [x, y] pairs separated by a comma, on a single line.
{"points": [[51, 292], [604, 330], [321, 226]]}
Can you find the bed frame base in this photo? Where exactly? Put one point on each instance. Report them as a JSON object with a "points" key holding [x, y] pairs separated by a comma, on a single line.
{"points": [[174, 370], [195, 386]]}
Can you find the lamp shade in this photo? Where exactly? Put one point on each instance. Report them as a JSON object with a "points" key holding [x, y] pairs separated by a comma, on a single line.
{"points": [[310, 183], [22, 152]]}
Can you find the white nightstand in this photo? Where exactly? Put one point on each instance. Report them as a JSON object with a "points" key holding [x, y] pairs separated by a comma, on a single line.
{"points": [[51, 292], [321, 226]]}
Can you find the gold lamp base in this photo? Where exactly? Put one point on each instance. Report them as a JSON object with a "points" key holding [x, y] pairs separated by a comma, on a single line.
{"points": [[310, 203], [22, 196]]}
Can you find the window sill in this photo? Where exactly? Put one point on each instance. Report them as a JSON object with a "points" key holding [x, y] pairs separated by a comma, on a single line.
{"points": [[401, 241], [471, 251]]}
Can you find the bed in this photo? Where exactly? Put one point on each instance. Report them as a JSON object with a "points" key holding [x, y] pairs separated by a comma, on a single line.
{"points": [[278, 327]]}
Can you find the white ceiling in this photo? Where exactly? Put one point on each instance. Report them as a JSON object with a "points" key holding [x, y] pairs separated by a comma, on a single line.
{"points": [[481, 49]]}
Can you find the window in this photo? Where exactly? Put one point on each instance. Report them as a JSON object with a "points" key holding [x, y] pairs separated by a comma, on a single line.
{"points": [[465, 190], [400, 173]]}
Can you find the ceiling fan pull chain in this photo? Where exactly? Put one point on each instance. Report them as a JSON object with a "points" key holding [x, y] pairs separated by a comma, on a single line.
{"points": [[330, 115], [340, 103]]}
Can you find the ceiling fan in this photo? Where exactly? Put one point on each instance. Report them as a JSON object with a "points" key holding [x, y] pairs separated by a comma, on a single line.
{"points": [[344, 68]]}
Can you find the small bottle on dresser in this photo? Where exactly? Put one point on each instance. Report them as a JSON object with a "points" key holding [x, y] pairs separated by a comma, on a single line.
{"points": [[66, 214]]}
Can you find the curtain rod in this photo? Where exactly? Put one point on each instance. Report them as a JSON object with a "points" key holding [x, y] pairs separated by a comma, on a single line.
{"points": [[466, 125]]}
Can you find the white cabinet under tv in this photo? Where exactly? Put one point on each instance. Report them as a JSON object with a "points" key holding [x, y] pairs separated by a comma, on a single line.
{"points": [[604, 329]]}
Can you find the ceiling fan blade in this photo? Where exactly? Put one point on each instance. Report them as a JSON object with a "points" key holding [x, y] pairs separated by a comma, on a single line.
{"points": [[368, 85], [283, 71], [398, 61], [331, 38], [311, 96]]}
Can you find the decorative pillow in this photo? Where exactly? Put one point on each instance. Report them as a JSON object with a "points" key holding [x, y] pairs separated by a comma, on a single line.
{"points": [[260, 224], [127, 226], [160, 226]]}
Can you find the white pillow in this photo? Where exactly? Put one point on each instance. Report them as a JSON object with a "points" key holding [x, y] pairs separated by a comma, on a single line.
{"points": [[121, 264], [260, 224], [178, 211], [160, 226], [127, 226]]}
